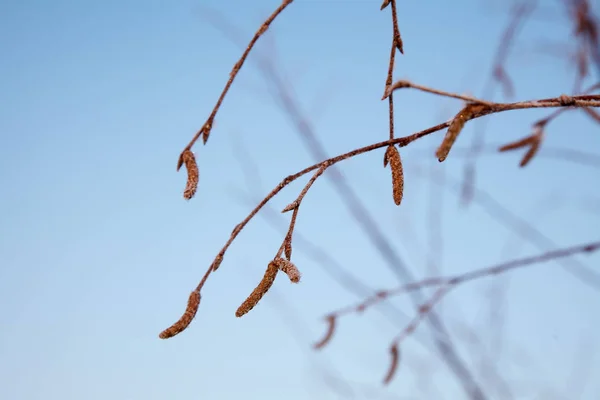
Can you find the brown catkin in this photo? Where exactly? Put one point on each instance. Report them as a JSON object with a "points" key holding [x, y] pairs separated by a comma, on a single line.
{"points": [[395, 353], [518, 144], [533, 149], [288, 268], [186, 318], [456, 126], [263, 286], [331, 320], [392, 155], [189, 160], [533, 141]]}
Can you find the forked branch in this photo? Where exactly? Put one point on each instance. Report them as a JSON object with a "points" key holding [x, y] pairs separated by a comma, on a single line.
{"points": [[560, 101]]}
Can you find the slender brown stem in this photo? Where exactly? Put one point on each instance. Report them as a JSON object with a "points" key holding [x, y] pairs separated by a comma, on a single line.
{"points": [[407, 84], [396, 45], [208, 124], [295, 205]]}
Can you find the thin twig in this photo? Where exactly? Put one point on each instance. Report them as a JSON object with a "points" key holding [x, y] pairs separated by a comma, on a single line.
{"points": [[295, 206], [208, 124], [396, 45], [401, 84], [455, 280]]}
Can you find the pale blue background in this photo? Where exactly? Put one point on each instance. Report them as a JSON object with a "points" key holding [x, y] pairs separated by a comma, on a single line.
{"points": [[98, 250]]}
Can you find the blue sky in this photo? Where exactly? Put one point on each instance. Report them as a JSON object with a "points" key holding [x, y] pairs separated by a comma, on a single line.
{"points": [[98, 249]]}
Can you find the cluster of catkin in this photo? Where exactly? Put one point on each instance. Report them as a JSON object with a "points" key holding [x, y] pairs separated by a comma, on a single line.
{"points": [[474, 108], [391, 158], [278, 264]]}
